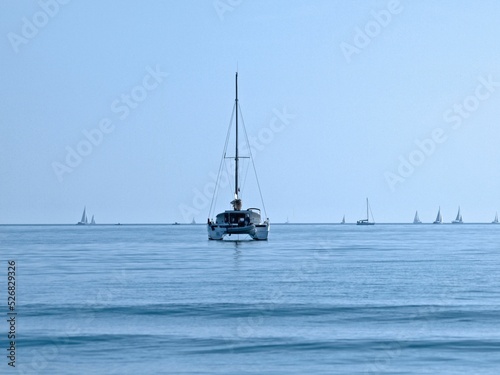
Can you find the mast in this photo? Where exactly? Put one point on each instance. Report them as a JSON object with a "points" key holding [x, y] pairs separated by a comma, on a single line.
{"points": [[236, 157], [237, 201]]}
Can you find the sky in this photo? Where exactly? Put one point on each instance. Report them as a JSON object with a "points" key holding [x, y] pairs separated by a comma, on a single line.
{"points": [[122, 107]]}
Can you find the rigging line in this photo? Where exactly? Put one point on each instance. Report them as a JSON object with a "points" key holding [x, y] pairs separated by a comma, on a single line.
{"points": [[247, 167], [229, 172], [253, 163], [244, 167], [214, 197], [371, 212], [223, 161]]}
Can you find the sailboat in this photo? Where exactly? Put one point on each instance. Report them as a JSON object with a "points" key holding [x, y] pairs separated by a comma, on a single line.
{"points": [[496, 219], [439, 218], [92, 222], [343, 220], [83, 220], [193, 221], [416, 220], [458, 219], [237, 221], [367, 220]]}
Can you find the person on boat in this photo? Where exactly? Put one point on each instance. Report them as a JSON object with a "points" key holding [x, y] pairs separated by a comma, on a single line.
{"points": [[236, 204]]}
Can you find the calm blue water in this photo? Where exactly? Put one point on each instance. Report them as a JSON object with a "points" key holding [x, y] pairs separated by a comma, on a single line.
{"points": [[315, 299]]}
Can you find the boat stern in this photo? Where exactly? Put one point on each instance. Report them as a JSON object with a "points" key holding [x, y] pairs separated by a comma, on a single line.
{"points": [[262, 231], [215, 232]]}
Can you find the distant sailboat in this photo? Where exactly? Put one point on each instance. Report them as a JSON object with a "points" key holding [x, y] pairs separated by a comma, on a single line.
{"points": [[287, 222], [367, 220], [92, 222], [83, 220], [343, 220], [416, 220], [496, 219], [458, 219], [439, 218], [193, 222]]}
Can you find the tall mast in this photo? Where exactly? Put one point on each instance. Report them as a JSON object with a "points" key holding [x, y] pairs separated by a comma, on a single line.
{"points": [[236, 157]]}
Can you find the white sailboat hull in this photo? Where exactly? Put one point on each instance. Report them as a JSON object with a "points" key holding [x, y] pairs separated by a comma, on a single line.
{"points": [[256, 232], [365, 222]]}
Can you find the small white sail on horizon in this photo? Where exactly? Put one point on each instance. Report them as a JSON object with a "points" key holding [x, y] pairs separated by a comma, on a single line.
{"points": [[439, 217], [458, 219], [416, 219], [343, 220], [496, 219], [83, 220]]}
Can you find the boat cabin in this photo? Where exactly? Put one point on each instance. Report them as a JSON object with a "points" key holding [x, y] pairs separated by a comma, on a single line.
{"points": [[240, 218]]}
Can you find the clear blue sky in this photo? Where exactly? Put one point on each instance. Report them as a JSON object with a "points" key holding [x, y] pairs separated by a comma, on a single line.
{"points": [[428, 66]]}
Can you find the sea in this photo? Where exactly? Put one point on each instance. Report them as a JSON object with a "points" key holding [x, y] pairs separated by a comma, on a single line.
{"points": [[313, 299]]}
